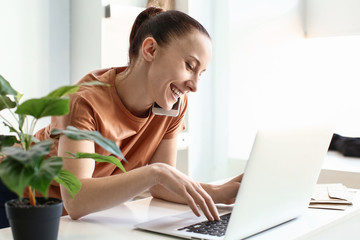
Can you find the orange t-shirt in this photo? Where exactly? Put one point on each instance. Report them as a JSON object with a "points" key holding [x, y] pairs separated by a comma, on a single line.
{"points": [[100, 108]]}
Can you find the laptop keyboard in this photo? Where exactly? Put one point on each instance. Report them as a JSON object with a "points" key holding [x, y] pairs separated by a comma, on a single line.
{"points": [[213, 228]]}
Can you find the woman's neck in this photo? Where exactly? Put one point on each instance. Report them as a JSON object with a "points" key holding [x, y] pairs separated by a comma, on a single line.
{"points": [[131, 87]]}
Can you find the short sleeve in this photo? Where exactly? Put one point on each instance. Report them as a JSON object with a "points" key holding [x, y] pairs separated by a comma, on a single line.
{"points": [[81, 114]]}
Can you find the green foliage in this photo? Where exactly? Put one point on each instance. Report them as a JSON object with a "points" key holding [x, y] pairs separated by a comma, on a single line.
{"points": [[5, 102], [7, 141], [76, 134], [44, 107], [67, 90], [25, 164], [5, 88], [69, 181], [100, 158]]}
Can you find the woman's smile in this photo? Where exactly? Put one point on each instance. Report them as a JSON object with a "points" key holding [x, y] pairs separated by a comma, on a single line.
{"points": [[176, 92]]}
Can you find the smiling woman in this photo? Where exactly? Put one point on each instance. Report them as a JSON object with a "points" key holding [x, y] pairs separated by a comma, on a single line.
{"points": [[168, 52]]}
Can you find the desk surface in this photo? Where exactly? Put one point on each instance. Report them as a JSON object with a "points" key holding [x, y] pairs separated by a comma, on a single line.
{"points": [[118, 222], [336, 161]]}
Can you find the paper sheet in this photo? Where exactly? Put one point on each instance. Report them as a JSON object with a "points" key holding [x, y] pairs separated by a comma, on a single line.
{"points": [[331, 196]]}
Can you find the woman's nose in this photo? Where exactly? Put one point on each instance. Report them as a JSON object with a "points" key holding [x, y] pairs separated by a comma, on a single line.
{"points": [[192, 84]]}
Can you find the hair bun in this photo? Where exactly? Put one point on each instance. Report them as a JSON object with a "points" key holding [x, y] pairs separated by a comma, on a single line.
{"points": [[141, 18], [162, 26]]}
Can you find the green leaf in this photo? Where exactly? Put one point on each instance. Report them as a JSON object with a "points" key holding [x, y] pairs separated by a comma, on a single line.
{"points": [[62, 91], [69, 181], [16, 153], [11, 129], [18, 97], [7, 141], [27, 140], [67, 90], [48, 170], [15, 175], [38, 151], [44, 107], [5, 88], [76, 134], [34, 139], [33, 157], [101, 158], [5, 102]]}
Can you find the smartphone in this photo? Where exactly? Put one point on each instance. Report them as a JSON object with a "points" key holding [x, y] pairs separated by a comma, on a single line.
{"points": [[174, 112]]}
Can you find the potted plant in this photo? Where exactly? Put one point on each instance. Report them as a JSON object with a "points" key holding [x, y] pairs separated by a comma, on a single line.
{"points": [[24, 166]]}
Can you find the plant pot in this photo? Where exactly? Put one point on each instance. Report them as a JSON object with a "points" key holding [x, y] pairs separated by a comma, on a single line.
{"points": [[34, 223]]}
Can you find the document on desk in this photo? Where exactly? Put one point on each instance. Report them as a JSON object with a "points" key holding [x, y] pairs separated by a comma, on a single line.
{"points": [[331, 196]]}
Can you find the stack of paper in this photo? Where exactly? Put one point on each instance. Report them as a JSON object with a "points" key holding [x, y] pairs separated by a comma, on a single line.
{"points": [[331, 196]]}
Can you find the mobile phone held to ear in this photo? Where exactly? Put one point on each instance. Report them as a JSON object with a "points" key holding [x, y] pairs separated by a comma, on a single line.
{"points": [[174, 112]]}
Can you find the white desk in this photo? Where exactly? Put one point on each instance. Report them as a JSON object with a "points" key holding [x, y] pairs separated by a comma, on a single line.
{"points": [[118, 222], [337, 168]]}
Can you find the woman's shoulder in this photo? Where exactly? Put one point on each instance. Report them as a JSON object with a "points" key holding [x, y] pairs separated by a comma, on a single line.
{"points": [[105, 75]]}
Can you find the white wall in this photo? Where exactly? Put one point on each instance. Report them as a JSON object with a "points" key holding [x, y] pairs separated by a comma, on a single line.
{"points": [[59, 43], [24, 44], [326, 18], [34, 45], [278, 76], [97, 42], [258, 30], [292, 62], [85, 37], [115, 32]]}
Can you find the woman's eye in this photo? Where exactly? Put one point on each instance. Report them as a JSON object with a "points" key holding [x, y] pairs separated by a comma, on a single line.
{"points": [[189, 66]]}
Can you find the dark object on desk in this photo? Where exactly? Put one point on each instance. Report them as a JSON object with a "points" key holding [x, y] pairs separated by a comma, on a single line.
{"points": [[348, 146], [5, 195]]}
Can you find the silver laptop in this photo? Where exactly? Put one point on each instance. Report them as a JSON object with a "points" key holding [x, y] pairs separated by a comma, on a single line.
{"points": [[278, 181]]}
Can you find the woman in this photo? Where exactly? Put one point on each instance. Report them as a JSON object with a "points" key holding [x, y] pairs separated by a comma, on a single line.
{"points": [[168, 53]]}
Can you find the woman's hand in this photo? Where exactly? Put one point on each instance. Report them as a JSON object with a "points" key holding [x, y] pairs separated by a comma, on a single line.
{"points": [[193, 193], [226, 193]]}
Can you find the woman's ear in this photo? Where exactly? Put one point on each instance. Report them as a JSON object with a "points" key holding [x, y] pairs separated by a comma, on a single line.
{"points": [[149, 47]]}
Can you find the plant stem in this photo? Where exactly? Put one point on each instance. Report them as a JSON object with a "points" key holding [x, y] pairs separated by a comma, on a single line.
{"points": [[31, 197], [32, 126]]}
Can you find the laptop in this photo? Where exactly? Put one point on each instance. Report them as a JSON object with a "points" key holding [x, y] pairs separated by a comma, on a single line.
{"points": [[279, 178]]}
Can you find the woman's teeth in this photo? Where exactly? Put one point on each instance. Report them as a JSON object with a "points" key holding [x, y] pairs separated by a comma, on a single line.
{"points": [[176, 92]]}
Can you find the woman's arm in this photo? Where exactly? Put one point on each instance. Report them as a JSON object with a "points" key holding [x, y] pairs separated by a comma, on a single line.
{"points": [[97, 194]]}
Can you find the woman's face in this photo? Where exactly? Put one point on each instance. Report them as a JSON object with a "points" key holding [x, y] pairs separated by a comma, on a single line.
{"points": [[176, 68]]}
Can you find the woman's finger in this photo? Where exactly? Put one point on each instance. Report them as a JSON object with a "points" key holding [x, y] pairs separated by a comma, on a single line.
{"points": [[212, 207], [205, 202], [191, 203]]}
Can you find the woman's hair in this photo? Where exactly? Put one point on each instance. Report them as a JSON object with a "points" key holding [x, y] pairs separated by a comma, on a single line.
{"points": [[162, 26]]}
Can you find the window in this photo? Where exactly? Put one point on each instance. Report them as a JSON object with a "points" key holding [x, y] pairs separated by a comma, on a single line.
{"points": [[278, 76]]}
